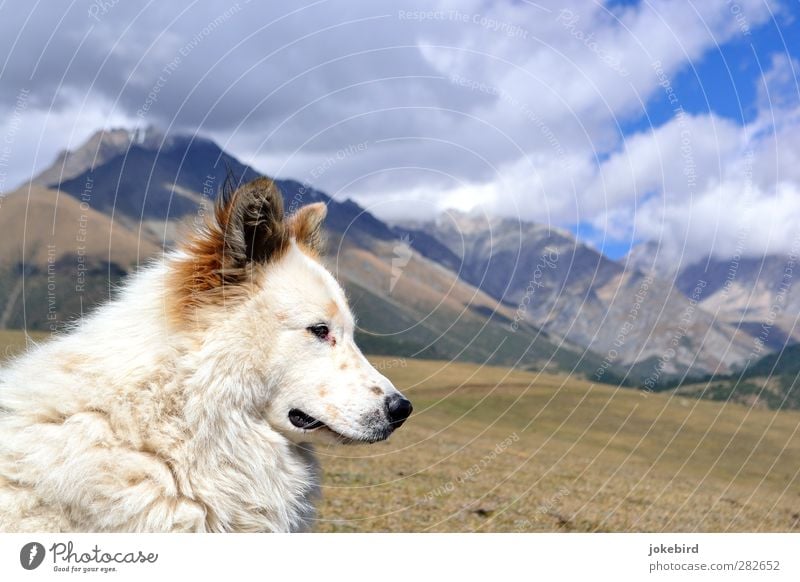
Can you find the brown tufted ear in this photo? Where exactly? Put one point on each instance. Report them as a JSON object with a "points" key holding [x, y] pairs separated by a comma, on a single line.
{"points": [[305, 226], [246, 228], [253, 219]]}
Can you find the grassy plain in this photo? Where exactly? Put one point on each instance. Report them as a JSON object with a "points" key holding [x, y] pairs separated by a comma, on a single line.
{"points": [[491, 449]]}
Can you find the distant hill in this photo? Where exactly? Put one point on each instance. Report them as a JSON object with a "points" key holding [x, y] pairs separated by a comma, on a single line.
{"points": [[770, 382], [425, 310], [783, 363], [40, 225], [59, 257]]}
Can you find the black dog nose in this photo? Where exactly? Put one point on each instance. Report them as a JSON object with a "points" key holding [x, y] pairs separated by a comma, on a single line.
{"points": [[398, 409]]}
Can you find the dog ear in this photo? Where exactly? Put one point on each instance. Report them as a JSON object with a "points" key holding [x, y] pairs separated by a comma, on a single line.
{"points": [[305, 226], [251, 221], [246, 228]]}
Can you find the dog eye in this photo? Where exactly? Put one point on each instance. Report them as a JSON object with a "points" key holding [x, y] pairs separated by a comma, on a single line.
{"points": [[320, 330]]}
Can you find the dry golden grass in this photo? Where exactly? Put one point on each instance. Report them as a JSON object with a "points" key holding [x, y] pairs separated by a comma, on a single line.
{"points": [[491, 449]]}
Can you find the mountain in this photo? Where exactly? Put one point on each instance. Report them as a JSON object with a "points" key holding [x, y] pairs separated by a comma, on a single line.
{"points": [[149, 179], [101, 147], [459, 287], [757, 294], [416, 308], [634, 320], [144, 184]]}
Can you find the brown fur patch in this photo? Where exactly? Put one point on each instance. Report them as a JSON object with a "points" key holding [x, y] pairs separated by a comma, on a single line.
{"points": [[246, 229], [343, 366], [323, 392], [376, 390]]}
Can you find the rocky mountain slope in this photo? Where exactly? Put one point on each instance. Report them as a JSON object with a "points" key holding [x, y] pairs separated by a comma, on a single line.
{"points": [[757, 294], [630, 318]]}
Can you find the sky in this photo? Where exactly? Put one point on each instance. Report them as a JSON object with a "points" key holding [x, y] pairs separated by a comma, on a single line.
{"points": [[674, 122]]}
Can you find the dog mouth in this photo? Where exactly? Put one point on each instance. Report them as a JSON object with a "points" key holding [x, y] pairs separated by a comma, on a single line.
{"points": [[306, 422]]}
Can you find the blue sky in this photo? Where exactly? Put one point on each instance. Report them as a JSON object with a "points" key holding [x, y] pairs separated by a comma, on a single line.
{"points": [[724, 82]]}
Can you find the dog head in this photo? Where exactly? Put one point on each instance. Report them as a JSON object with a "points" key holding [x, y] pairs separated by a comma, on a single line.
{"points": [[278, 322]]}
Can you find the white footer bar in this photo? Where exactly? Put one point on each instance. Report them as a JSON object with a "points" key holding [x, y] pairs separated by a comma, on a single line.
{"points": [[401, 557]]}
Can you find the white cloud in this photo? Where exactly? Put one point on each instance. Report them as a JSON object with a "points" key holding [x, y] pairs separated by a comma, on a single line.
{"points": [[725, 222], [745, 199]]}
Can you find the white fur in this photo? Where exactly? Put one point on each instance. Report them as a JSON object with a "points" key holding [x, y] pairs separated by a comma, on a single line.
{"points": [[127, 424]]}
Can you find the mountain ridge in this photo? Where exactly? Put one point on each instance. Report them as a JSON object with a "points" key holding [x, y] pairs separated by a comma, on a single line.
{"points": [[148, 183], [582, 295], [509, 274]]}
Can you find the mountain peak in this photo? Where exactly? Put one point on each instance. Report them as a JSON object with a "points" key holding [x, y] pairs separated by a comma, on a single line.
{"points": [[105, 144], [478, 222]]}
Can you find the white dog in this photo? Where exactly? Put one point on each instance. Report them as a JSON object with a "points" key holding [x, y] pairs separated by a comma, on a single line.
{"points": [[189, 402]]}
